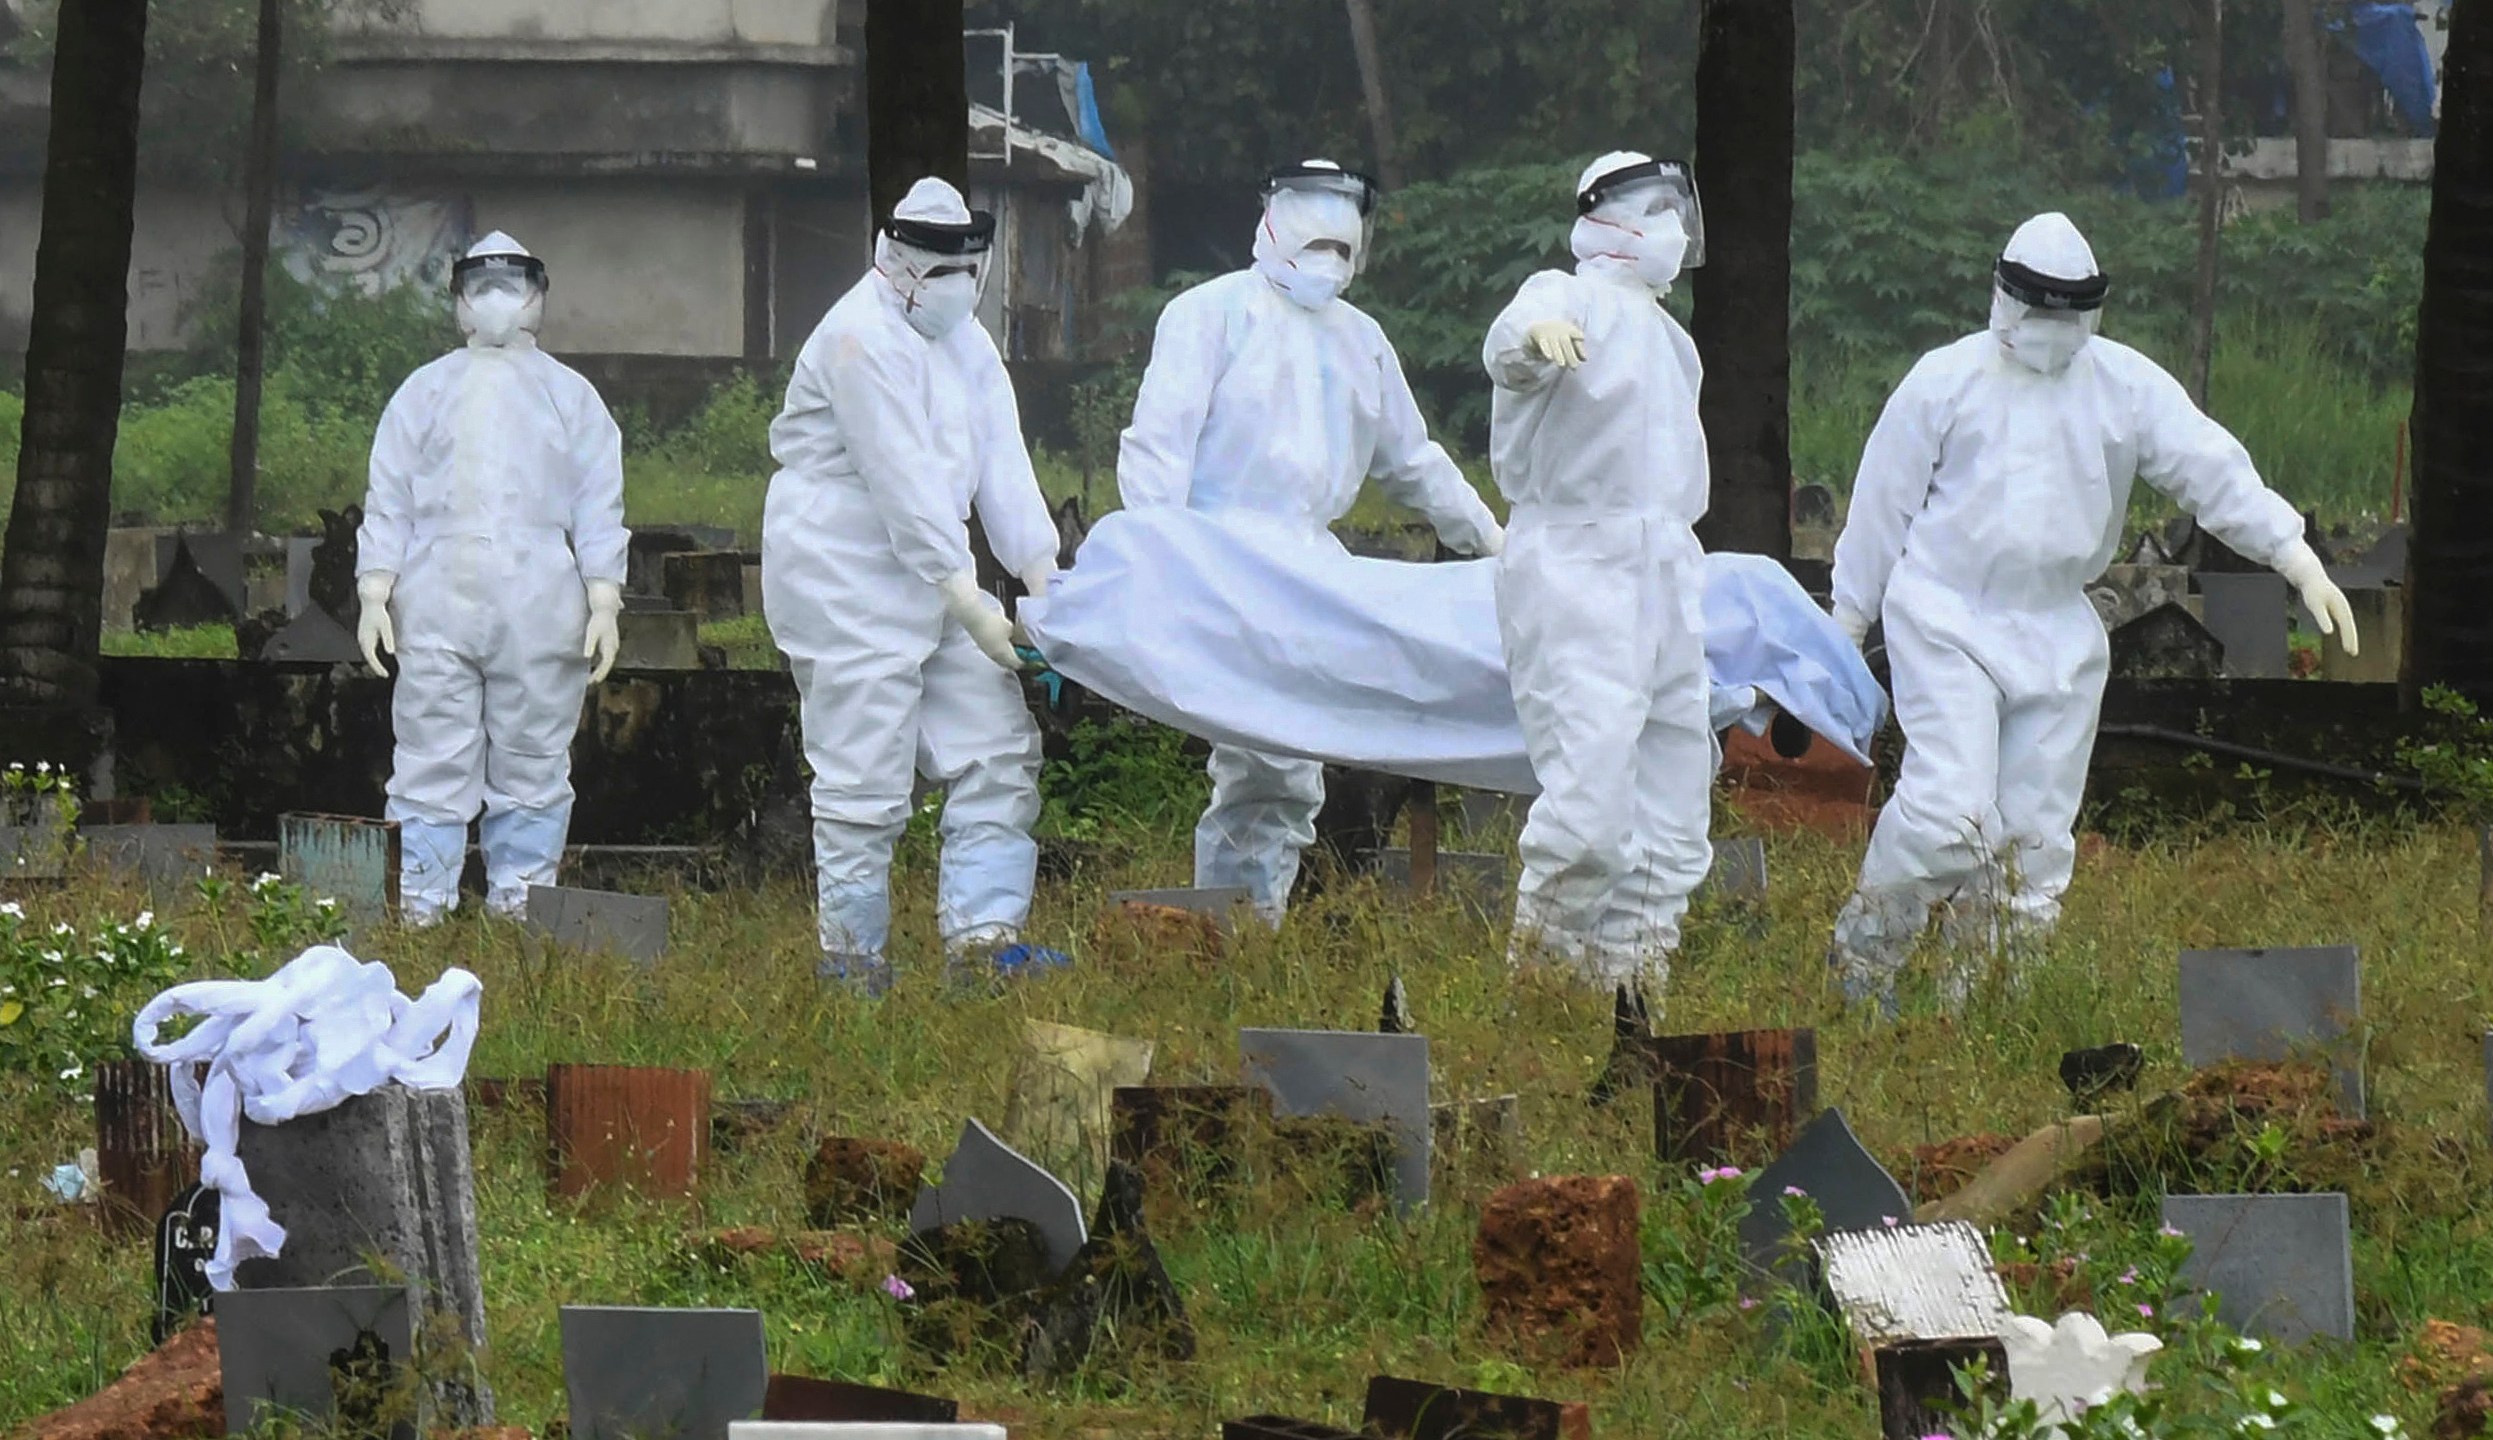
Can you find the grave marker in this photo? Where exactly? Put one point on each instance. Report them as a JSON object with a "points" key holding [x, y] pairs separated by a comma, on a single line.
{"points": [[709, 583], [1415, 1410], [2268, 1006], [142, 1152], [600, 921], [795, 1397], [2247, 614], [1828, 1165], [641, 1126], [1739, 873], [657, 639], [653, 1374], [987, 1180], [164, 858], [343, 858], [1735, 1096], [1364, 1078], [336, 1354], [1917, 1391], [2281, 1266], [1914, 1282], [314, 637], [2166, 643], [185, 1242], [384, 1175], [1394, 1016]]}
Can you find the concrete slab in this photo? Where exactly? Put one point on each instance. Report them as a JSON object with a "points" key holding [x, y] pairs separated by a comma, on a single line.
{"points": [[657, 1374], [345, 858], [2267, 1006], [1362, 1077], [2248, 614], [2281, 1266], [283, 1352], [1914, 1282], [601, 921]]}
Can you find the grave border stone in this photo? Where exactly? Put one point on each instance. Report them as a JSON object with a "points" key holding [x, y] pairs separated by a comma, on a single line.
{"points": [[2216, 1262], [634, 927], [589, 1353]]}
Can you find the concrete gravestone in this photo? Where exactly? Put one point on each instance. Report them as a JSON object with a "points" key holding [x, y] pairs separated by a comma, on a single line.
{"points": [[185, 1239], [1914, 1282], [987, 1180], [1828, 1166], [1365, 1078], [160, 856], [382, 1175], [2267, 1006], [649, 1374], [2247, 613], [340, 1355], [345, 858], [2281, 1266], [632, 926]]}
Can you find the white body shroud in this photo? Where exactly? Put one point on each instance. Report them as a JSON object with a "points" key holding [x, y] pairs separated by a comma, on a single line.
{"points": [[1245, 634]]}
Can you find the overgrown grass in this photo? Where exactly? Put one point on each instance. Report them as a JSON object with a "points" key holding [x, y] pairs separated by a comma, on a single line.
{"points": [[1298, 1304]]}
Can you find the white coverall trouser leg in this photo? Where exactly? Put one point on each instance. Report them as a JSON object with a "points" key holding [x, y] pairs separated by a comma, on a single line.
{"points": [[488, 698], [1262, 817], [1605, 643], [1999, 723]]}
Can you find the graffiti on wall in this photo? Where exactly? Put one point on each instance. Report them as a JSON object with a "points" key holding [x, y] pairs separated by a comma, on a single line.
{"points": [[376, 240]]}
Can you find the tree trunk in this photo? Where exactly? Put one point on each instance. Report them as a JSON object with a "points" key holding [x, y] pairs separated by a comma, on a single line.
{"points": [[1372, 89], [1743, 312], [259, 212], [2308, 68], [917, 98], [52, 580], [2450, 641], [2211, 195]]}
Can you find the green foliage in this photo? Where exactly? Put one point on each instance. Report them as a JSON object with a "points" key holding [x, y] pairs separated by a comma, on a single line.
{"points": [[2457, 761], [340, 351], [173, 461], [67, 994], [1122, 774]]}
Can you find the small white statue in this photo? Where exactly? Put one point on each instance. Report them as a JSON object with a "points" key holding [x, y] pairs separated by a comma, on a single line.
{"points": [[2067, 1367]]}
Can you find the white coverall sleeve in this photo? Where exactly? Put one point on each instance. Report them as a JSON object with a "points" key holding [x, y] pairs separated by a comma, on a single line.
{"points": [[1011, 507], [598, 540], [1417, 471], [1888, 491], [873, 392], [1507, 353], [2198, 462], [389, 497], [1156, 456]]}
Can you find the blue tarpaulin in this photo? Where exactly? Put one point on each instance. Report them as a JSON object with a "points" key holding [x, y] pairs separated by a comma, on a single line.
{"points": [[2384, 35]]}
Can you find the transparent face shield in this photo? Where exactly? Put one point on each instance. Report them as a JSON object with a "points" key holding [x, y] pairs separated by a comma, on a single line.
{"points": [[1357, 189], [1637, 201], [499, 276]]}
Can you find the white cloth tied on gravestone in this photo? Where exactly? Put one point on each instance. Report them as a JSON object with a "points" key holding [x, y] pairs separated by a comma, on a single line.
{"points": [[1233, 628], [324, 1029]]}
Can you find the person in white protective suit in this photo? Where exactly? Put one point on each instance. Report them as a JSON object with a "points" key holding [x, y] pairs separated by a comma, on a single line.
{"points": [[1991, 493], [1270, 399], [1595, 440], [491, 561], [899, 422]]}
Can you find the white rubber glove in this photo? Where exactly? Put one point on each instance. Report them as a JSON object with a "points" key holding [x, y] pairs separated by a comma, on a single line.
{"points": [[373, 630], [1560, 342], [2302, 570], [604, 640], [982, 615], [1856, 627], [1492, 542], [1038, 578]]}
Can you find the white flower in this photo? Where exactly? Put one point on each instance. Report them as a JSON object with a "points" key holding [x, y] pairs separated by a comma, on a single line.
{"points": [[73, 1072], [58, 928], [2277, 1401], [13, 910], [43, 767], [17, 765], [2387, 1426], [145, 919], [59, 981], [2249, 1423], [265, 880], [328, 904], [2246, 1345], [88, 992]]}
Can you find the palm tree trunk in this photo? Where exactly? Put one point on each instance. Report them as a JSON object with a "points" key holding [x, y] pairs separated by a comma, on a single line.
{"points": [[2451, 639], [1742, 320], [52, 580], [917, 98]]}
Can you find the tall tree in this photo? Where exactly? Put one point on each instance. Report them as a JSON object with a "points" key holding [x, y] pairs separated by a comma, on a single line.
{"points": [[1743, 292], [2307, 67], [917, 97], [52, 577], [1372, 89], [2211, 17], [2451, 636], [259, 213]]}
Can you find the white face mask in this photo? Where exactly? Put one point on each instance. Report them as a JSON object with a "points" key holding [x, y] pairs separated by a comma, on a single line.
{"points": [[1315, 279], [2044, 346], [1659, 249], [497, 317], [942, 302]]}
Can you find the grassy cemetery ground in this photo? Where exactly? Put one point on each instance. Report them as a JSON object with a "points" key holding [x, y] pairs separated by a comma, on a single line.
{"points": [[1297, 1302]]}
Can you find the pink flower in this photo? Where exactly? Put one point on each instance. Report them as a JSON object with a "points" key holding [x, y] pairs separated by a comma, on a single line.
{"points": [[1796, 1192], [1888, 1220], [898, 1288], [1747, 1303], [2147, 1310], [1713, 1173]]}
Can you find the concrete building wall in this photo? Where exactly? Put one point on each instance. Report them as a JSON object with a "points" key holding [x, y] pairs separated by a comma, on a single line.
{"points": [[647, 267], [699, 22], [183, 241]]}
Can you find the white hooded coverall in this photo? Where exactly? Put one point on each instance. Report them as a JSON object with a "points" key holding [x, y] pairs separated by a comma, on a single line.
{"points": [[1258, 403], [1991, 494], [889, 439], [496, 497], [1600, 605]]}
